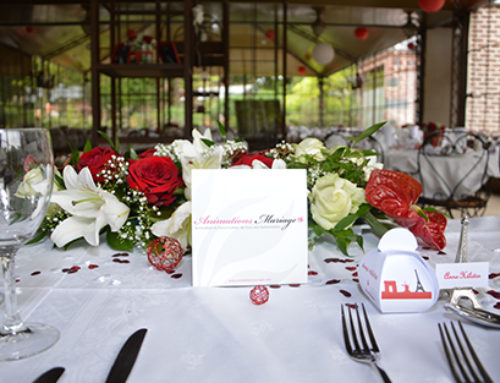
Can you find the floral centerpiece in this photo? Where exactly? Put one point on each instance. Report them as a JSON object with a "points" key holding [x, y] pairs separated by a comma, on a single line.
{"points": [[133, 199]]}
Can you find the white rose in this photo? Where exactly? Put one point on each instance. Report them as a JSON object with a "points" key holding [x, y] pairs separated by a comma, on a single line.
{"points": [[333, 198], [310, 146]]}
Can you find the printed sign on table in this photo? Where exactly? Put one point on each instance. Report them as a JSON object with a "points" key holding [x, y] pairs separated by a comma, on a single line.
{"points": [[249, 226]]}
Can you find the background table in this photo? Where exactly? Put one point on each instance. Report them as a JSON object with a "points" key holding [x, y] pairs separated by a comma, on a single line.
{"points": [[451, 168], [217, 334]]}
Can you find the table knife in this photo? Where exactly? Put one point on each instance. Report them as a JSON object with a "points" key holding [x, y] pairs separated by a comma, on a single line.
{"points": [[126, 358], [50, 376]]}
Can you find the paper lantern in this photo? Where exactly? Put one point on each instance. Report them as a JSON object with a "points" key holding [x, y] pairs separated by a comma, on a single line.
{"points": [[361, 33], [431, 6], [323, 53], [270, 34], [301, 70]]}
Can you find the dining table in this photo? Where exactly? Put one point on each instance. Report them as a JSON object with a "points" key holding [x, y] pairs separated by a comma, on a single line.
{"points": [[97, 297], [444, 173]]}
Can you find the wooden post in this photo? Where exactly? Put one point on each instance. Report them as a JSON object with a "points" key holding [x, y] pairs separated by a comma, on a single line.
{"points": [[94, 51]]}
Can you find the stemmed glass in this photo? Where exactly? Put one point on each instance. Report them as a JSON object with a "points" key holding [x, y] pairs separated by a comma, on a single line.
{"points": [[26, 180]]}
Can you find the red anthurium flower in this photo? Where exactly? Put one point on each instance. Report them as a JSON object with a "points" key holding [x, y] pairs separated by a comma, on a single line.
{"points": [[395, 194]]}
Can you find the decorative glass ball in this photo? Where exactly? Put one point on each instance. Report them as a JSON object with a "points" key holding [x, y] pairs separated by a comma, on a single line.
{"points": [[259, 295], [165, 253], [323, 53]]}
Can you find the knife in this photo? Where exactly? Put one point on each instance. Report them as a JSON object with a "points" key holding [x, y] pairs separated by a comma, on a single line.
{"points": [[126, 358], [50, 376]]}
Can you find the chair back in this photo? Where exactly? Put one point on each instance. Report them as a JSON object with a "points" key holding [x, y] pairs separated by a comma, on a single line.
{"points": [[452, 168]]}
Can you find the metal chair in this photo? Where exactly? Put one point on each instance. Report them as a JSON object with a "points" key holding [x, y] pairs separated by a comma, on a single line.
{"points": [[454, 195]]}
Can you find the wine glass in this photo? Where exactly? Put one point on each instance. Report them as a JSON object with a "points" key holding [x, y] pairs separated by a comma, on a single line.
{"points": [[26, 180]]}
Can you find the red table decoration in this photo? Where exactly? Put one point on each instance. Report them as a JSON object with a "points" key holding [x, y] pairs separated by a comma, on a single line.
{"points": [[165, 253], [259, 295]]}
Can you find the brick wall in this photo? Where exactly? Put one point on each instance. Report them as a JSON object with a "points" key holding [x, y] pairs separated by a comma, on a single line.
{"points": [[483, 87]]}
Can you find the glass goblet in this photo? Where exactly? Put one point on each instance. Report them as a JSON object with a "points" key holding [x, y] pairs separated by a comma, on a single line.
{"points": [[26, 180]]}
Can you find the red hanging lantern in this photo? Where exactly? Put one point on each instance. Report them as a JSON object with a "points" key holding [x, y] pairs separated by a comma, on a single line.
{"points": [[301, 70], [361, 33], [431, 6], [270, 34]]}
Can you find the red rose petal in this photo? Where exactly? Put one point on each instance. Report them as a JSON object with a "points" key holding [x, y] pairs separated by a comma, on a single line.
{"points": [[494, 294], [332, 282], [345, 293]]}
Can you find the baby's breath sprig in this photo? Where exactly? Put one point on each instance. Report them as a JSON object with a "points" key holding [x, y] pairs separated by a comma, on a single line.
{"points": [[167, 150], [282, 150], [230, 149]]}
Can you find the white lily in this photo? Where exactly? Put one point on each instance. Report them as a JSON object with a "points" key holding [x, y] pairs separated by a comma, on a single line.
{"points": [[91, 209], [197, 155], [178, 226], [257, 164]]}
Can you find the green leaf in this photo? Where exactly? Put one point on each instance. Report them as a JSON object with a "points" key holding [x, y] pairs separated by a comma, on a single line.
{"points": [[115, 145], [222, 130], [367, 132], [59, 181], [208, 142], [75, 156], [38, 237], [351, 218], [88, 146], [133, 153], [118, 243], [66, 246]]}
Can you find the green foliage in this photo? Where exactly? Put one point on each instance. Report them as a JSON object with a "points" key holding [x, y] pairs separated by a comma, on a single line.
{"points": [[118, 243]]}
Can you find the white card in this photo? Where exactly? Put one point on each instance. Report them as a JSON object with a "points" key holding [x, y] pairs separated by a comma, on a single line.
{"points": [[249, 226], [465, 274]]}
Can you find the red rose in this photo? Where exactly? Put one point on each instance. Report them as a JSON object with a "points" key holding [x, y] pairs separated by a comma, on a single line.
{"points": [[96, 160], [157, 177], [249, 158]]}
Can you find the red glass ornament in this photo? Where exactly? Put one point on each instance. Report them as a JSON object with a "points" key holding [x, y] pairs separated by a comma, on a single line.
{"points": [[301, 69], [165, 253], [270, 34], [259, 295], [361, 33], [431, 6]]}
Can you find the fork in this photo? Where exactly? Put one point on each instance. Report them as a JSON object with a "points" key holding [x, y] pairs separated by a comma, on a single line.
{"points": [[365, 354], [468, 363]]}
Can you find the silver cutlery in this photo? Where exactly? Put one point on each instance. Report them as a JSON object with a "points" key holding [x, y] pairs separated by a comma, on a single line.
{"points": [[463, 361], [364, 353], [50, 376], [126, 358]]}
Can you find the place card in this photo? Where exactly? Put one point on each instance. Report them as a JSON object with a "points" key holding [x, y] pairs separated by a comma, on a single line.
{"points": [[465, 274], [249, 226]]}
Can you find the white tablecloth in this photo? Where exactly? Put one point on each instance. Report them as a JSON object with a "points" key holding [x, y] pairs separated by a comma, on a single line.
{"points": [[451, 170], [217, 334]]}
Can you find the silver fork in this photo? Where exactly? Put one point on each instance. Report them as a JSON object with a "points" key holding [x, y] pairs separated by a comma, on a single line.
{"points": [[466, 366], [365, 354]]}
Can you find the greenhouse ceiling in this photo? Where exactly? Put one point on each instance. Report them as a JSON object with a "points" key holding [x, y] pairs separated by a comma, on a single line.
{"points": [[59, 31]]}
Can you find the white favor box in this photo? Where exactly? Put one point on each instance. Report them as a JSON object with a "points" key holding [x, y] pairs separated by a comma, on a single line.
{"points": [[395, 277]]}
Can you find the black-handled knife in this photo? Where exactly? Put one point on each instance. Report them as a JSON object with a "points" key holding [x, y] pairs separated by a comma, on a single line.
{"points": [[50, 376], [126, 358]]}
